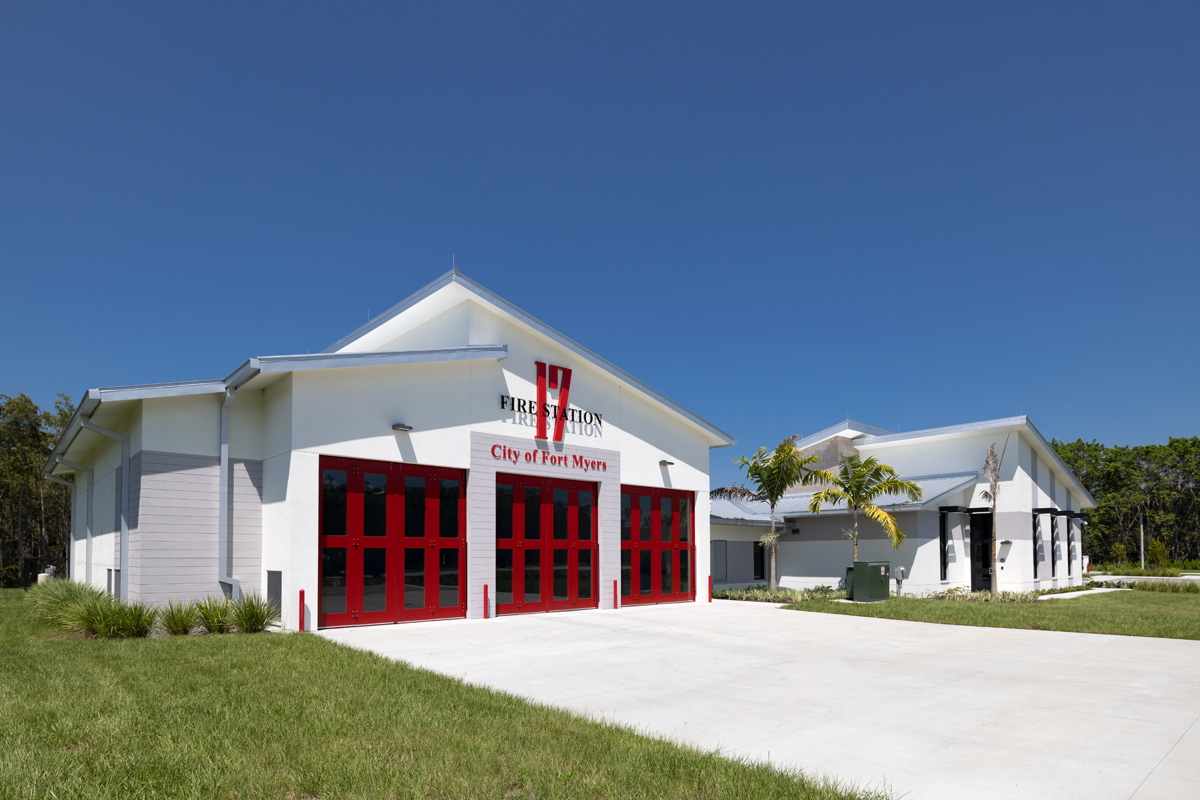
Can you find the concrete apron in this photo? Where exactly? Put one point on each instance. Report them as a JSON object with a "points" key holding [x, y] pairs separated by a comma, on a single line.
{"points": [[930, 711]]}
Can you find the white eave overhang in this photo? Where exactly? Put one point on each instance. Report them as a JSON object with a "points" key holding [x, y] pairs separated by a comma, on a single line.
{"points": [[266, 365]]}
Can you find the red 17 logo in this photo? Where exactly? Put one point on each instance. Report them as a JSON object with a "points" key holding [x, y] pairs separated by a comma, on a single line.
{"points": [[559, 378]]}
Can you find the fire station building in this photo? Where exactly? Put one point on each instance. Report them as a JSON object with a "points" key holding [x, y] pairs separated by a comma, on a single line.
{"points": [[454, 457]]}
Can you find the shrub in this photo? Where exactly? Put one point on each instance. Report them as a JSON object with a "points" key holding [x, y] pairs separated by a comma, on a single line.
{"points": [[52, 602], [760, 593], [178, 619], [253, 613], [962, 595], [132, 620], [1156, 553], [1118, 553], [213, 614]]}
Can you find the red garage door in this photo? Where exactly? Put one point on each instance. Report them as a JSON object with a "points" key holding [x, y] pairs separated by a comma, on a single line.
{"points": [[657, 545], [392, 541], [545, 545]]}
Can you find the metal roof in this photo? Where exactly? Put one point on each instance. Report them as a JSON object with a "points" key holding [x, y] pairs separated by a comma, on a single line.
{"points": [[935, 487]]}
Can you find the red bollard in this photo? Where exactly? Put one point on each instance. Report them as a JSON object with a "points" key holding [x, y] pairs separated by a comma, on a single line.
{"points": [[302, 610], [616, 602], [485, 602], [710, 588]]}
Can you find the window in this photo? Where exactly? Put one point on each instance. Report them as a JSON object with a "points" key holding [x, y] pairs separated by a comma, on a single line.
{"points": [[760, 561], [1070, 546], [1053, 546], [944, 551], [1036, 539]]}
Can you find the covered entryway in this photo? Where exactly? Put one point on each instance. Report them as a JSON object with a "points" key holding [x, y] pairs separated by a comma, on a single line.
{"points": [[657, 545], [981, 552], [392, 541], [545, 544]]}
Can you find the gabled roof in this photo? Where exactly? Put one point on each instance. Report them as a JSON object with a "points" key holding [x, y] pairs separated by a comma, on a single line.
{"points": [[718, 437], [758, 512]]}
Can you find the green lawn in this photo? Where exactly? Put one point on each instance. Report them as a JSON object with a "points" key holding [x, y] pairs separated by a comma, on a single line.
{"points": [[1170, 616], [296, 716]]}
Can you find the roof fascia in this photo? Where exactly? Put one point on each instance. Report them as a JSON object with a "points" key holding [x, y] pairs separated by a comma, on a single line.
{"points": [[1046, 448], [722, 438], [744, 523]]}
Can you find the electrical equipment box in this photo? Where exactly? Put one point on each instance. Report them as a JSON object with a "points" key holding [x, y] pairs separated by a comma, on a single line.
{"points": [[872, 581]]}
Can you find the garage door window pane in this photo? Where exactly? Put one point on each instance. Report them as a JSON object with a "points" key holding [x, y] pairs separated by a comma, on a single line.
{"points": [[533, 512], [414, 507], [374, 579], [626, 518], [666, 518], [644, 576], [333, 502], [414, 577], [448, 514], [374, 504], [644, 518], [333, 580], [560, 575], [504, 511], [447, 578], [667, 562], [626, 573], [533, 576], [585, 516], [685, 520], [685, 571], [560, 513], [584, 588]]}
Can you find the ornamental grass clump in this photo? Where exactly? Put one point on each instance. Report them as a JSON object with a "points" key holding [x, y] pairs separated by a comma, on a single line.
{"points": [[53, 602], [762, 594], [961, 595], [178, 619], [214, 615], [253, 613]]}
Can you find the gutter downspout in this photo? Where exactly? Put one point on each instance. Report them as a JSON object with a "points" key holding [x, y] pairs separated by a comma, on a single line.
{"points": [[224, 568], [86, 422], [87, 570]]}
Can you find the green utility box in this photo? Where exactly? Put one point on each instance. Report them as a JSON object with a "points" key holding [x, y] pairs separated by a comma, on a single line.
{"points": [[872, 581], [849, 584]]}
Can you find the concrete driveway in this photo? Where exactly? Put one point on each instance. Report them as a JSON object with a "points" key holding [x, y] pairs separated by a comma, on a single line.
{"points": [[931, 711]]}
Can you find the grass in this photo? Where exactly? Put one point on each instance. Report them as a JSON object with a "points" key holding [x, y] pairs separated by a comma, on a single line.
{"points": [[297, 716], [1137, 613]]}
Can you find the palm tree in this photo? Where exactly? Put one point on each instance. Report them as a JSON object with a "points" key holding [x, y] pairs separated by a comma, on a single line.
{"points": [[771, 472], [858, 483]]}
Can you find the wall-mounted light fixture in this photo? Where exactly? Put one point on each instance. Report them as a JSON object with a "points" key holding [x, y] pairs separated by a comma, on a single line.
{"points": [[665, 463], [400, 427], [1006, 541]]}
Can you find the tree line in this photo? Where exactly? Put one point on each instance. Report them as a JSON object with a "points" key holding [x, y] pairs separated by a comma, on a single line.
{"points": [[35, 513], [1152, 484]]}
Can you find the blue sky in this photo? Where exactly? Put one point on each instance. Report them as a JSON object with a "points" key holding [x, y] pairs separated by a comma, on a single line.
{"points": [[776, 213]]}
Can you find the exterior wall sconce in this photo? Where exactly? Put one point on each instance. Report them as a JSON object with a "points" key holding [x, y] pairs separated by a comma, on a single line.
{"points": [[665, 463], [400, 427], [1005, 541]]}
